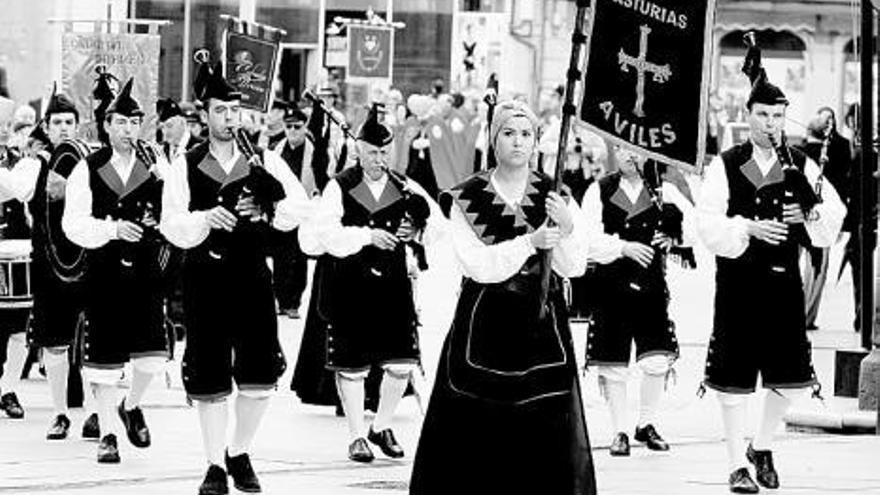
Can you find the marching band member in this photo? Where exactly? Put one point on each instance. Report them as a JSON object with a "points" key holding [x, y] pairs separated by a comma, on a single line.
{"points": [[505, 415], [365, 217], [757, 205], [112, 209], [637, 217], [289, 263], [57, 301], [217, 203]]}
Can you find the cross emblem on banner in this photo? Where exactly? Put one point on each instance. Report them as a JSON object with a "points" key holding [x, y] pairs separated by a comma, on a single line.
{"points": [[661, 73]]}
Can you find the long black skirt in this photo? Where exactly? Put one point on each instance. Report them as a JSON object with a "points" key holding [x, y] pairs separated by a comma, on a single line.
{"points": [[495, 430]]}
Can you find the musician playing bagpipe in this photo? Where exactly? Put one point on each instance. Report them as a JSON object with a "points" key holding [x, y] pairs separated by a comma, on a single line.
{"points": [[40, 180], [641, 218], [757, 204], [366, 216], [220, 200], [114, 197]]}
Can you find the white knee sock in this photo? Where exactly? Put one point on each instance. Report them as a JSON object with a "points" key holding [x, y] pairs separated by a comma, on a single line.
{"points": [[16, 354], [351, 394], [615, 396], [734, 409], [249, 412], [213, 418], [390, 392], [57, 371], [106, 397], [651, 392], [140, 381], [774, 408]]}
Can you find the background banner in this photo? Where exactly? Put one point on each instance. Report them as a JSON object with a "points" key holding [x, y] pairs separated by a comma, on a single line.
{"points": [[369, 52], [646, 81], [250, 67], [125, 55]]}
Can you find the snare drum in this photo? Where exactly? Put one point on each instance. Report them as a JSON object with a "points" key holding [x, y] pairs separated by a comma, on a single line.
{"points": [[15, 274]]}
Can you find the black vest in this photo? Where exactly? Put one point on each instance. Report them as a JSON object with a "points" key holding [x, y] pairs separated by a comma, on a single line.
{"points": [[361, 209], [209, 187], [757, 197], [141, 195]]}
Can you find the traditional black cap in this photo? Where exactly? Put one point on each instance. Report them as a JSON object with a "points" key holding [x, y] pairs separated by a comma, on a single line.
{"points": [[762, 90], [59, 103], [210, 83], [167, 108], [125, 104], [293, 114], [374, 132]]}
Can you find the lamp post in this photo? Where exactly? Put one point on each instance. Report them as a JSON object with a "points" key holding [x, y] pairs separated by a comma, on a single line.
{"points": [[869, 371]]}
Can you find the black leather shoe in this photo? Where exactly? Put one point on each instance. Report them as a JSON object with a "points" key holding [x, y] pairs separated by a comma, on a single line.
{"points": [[649, 436], [135, 426], [59, 428], [243, 476], [91, 430], [215, 482], [9, 403], [386, 442], [765, 473], [359, 451], [108, 450], [620, 445], [741, 482]]}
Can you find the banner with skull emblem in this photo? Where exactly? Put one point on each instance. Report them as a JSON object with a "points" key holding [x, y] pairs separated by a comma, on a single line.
{"points": [[250, 62], [646, 78], [369, 52]]}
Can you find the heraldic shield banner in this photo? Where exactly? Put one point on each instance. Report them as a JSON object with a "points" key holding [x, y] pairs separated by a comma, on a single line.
{"points": [[646, 81], [369, 55]]}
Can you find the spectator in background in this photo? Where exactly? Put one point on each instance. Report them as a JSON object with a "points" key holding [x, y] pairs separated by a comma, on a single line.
{"points": [[831, 151]]}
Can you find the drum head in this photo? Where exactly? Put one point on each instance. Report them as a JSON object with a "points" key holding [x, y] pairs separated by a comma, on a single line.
{"points": [[15, 248], [66, 258]]}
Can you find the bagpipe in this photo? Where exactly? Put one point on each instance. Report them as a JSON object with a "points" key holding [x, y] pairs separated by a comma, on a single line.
{"points": [[145, 212], [417, 211], [321, 138], [670, 218]]}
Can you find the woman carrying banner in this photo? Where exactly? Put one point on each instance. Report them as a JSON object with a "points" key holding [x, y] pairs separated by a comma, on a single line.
{"points": [[505, 415]]}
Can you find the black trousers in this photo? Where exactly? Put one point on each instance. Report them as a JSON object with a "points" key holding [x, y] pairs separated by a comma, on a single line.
{"points": [[289, 270]]}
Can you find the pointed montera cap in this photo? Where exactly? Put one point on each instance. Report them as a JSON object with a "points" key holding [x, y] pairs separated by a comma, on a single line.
{"points": [[210, 83], [125, 104], [374, 132], [59, 103], [762, 91]]}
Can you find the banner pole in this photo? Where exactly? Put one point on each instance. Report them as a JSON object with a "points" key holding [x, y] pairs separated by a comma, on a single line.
{"points": [[578, 38]]}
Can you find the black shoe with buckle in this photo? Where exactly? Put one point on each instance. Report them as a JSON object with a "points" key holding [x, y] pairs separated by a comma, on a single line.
{"points": [[386, 442], [108, 450], [649, 436], [215, 482], [9, 403], [359, 451], [243, 476], [59, 428], [765, 473], [135, 426], [91, 430], [620, 445], [741, 482]]}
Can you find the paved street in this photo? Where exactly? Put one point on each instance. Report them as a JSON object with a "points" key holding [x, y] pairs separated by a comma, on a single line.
{"points": [[302, 449]]}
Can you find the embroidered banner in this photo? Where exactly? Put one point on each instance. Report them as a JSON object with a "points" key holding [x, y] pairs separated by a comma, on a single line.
{"points": [[369, 52], [646, 81], [250, 66], [125, 55]]}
